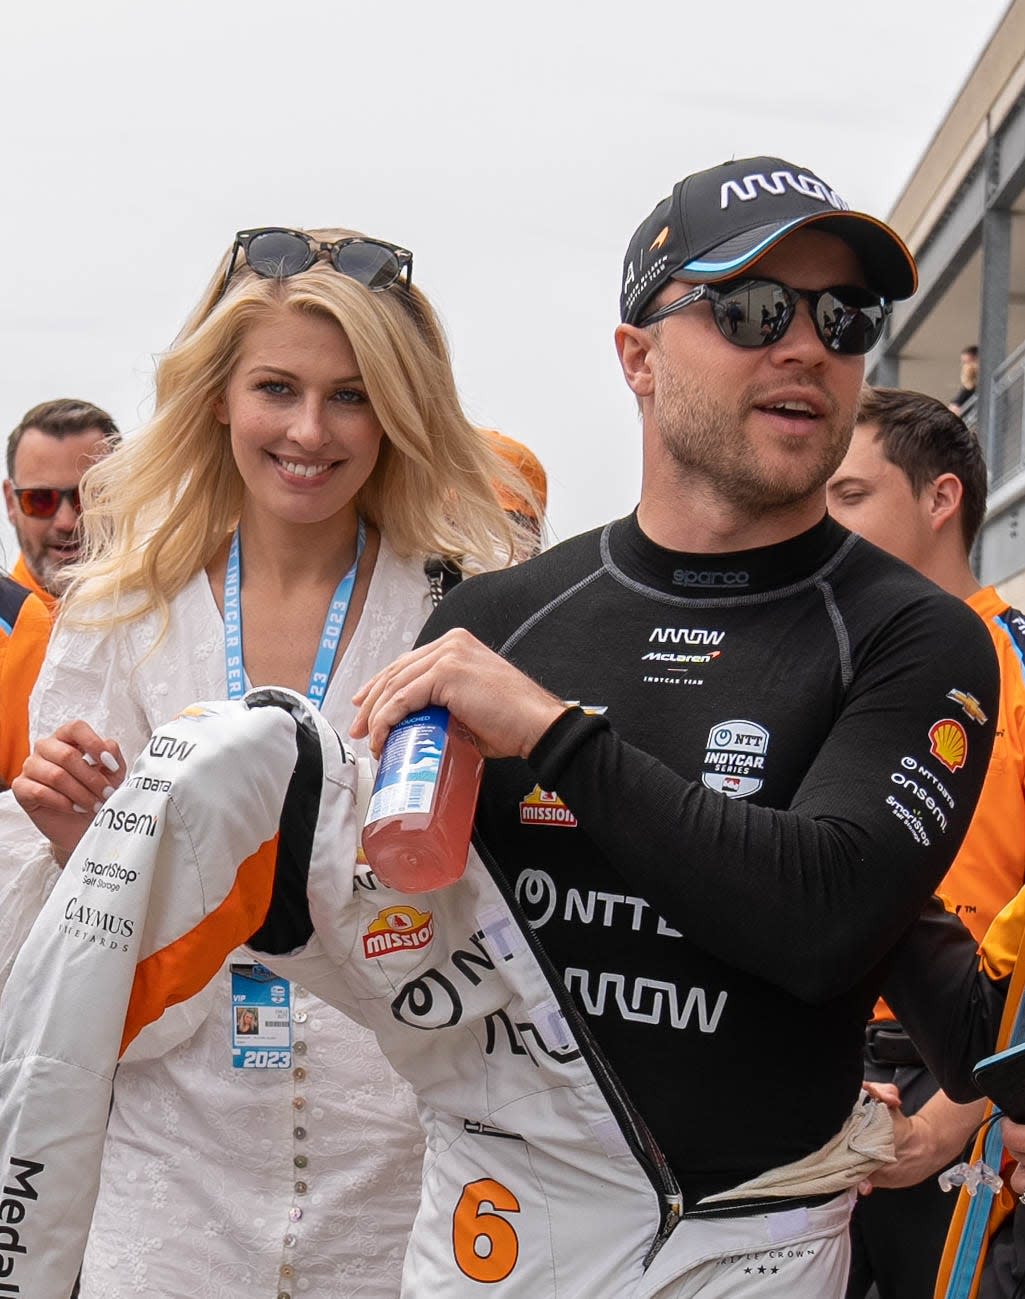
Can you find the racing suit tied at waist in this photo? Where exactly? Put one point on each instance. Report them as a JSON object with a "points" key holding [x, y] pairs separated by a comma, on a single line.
{"points": [[863, 1144]]}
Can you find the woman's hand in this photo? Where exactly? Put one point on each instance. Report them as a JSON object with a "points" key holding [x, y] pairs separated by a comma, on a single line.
{"points": [[65, 781]]}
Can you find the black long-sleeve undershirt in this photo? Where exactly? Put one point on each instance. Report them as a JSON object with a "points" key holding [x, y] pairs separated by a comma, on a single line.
{"points": [[720, 861]]}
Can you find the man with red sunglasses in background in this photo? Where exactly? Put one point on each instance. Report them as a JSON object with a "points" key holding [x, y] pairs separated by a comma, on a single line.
{"points": [[47, 454]]}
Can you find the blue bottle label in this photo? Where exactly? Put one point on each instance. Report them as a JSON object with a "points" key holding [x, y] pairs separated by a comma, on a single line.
{"points": [[410, 765]]}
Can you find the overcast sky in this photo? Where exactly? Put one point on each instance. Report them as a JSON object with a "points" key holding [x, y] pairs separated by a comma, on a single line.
{"points": [[513, 148]]}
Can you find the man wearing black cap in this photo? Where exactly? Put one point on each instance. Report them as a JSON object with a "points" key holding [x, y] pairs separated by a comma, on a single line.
{"points": [[765, 769]]}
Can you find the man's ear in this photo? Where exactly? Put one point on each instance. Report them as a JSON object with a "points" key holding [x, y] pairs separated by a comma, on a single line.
{"points": [[9, 498], [945, 494], [635, 347]]}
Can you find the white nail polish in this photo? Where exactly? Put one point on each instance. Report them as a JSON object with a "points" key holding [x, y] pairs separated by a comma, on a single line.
{"points": [[88, 759], [108, 790], [81, 810], [97, 807], [108, 760]]}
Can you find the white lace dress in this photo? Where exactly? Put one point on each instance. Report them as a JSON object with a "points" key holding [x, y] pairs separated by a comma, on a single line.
{"points": [[223, 1183]]}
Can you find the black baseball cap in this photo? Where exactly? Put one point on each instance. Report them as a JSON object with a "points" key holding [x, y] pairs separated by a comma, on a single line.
{"points": [[717, 223]]}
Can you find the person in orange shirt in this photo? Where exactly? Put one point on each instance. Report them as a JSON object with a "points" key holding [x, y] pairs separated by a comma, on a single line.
{"points": [[24, 632], [914, 483], [529, 512], [47, 454]]}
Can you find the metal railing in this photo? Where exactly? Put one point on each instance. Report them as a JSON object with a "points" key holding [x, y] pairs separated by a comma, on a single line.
{"points": [[1005, 452], [970, 413]]}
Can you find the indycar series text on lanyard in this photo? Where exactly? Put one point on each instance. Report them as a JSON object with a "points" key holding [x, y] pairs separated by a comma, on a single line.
{"points": [[329, 637]]}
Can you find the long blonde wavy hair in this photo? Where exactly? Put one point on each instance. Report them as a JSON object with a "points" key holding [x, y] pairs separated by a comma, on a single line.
{"points": [[158, 509]]}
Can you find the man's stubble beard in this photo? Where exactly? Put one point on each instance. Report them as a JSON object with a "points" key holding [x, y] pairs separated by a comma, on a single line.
{"points": [[45, 570], [703, 438]]}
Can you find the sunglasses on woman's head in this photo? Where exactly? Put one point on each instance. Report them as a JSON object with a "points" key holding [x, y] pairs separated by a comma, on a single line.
{"points": [[277, 254], [756, 313], [44, 502]]}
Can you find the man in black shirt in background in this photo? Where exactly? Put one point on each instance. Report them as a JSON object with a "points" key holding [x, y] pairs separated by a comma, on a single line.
{"points": [[765, 769]]}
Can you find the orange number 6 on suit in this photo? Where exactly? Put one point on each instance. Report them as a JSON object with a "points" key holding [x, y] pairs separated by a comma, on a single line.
{"points": [[485, 1245]]}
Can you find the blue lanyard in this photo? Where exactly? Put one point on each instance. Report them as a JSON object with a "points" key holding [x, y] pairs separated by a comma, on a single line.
{"points": [[329, 637]]}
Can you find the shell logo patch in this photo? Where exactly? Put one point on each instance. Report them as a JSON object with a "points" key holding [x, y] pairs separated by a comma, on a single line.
{"points": [[948, 743], [970, 706], [545, 807], [397, 929]]}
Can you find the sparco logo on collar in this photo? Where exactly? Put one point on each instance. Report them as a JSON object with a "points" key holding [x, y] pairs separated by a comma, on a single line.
{"points": [[776, 183], [711, 577]]}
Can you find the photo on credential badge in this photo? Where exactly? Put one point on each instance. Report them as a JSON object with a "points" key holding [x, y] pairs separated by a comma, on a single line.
{"points": [[246, 1020]]}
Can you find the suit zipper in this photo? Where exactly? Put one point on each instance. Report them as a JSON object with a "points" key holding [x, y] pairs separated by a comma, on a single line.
{"points": [[639, 1138]]}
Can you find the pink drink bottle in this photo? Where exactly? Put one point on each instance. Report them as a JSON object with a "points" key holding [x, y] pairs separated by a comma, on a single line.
{"points": [[417, 832]]}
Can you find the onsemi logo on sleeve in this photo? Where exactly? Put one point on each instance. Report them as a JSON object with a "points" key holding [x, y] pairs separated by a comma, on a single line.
{"points": [[128, 822]]}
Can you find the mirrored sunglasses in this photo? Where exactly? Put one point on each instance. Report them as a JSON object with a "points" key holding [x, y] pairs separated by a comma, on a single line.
{"points": [[757, 313], [276, 253]]}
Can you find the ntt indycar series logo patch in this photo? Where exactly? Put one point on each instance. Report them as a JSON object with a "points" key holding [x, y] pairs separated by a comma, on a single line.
{"points": [[545, 807], [735, 758], [397, 929]]}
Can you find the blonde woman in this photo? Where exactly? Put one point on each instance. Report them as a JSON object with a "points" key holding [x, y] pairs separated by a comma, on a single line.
{"points": [[270, 525]]}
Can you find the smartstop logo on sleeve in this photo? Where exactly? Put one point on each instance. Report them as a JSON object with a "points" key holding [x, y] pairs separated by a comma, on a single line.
{"points": [[111, 875], [17, 1188]]}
